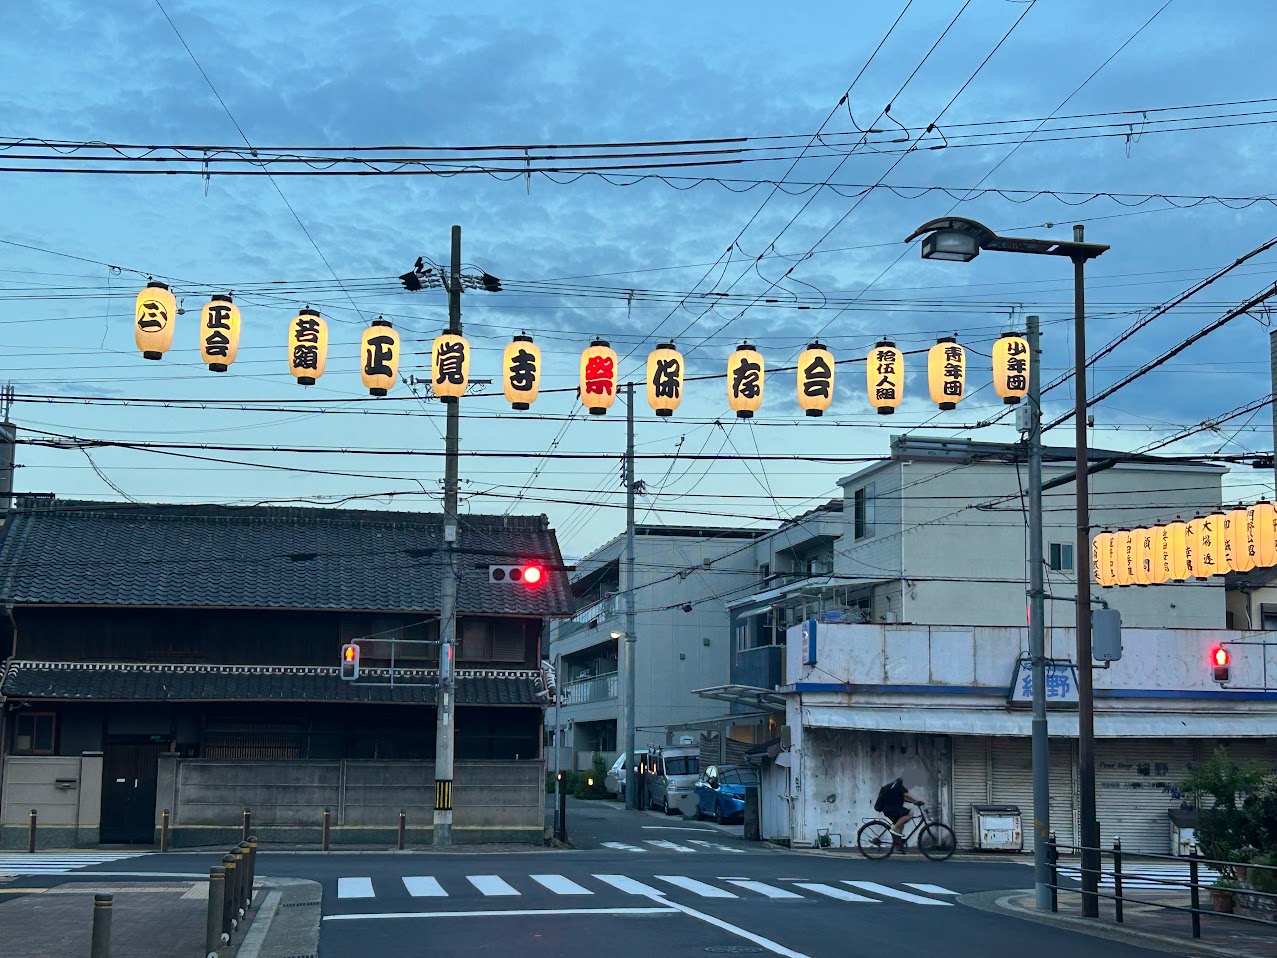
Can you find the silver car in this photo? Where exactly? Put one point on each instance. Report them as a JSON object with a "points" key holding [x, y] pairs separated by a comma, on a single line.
{"points": [[672, 778]]}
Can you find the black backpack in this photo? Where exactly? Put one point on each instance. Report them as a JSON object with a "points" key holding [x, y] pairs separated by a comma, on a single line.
{"points": [[884, 796]]}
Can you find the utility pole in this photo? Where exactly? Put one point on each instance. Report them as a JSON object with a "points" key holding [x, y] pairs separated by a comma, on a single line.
{"points": [[445, 697], [560, 826], [631, 644], [1272, 372], [1037, 631]]}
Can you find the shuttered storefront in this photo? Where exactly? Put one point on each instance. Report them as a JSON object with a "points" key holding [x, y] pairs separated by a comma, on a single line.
{"points": [[1251, 751], [999, 771], [1136, 784], [970, 783]]}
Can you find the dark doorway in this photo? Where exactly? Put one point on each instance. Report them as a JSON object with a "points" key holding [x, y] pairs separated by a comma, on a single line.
{"points": [[128, 791]]}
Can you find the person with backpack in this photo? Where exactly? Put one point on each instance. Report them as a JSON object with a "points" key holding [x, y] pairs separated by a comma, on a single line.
{"points": [[891, 802]]}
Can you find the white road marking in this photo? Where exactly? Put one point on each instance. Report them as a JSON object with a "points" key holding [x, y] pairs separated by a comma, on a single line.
{"points": [[423, 886], [560, 885], [699, 887], [762, 888], [60, 863], [491, 885], [518, 913], [832, 892], [355, 888], [888, 892], [930, 889], [630, 886], [678, 828], [721, 848], [668, 846], [773, 947], [621, 846]]}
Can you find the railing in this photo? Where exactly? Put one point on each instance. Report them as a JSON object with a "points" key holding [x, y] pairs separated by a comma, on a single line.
{"points": [[598, 688], [597, 610], [1119, 872]]}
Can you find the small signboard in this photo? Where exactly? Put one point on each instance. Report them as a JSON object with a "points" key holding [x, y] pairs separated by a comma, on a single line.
{"points": [[1061, 683]]}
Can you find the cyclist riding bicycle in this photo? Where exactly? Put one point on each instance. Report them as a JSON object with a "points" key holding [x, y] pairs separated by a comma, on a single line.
{"points": [[891, 802]]}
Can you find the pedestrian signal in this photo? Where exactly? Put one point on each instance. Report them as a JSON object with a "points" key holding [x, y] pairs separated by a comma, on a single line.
{"points": [[1219, 663], [350, 662]]}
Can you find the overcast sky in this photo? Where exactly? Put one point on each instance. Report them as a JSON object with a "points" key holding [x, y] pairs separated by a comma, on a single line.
{"points": [[527, 75]]}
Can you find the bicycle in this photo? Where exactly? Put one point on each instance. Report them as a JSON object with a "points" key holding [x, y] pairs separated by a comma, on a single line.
{"points": [[935, 839]]}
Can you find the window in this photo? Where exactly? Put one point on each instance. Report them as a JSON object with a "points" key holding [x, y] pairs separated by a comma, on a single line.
{"points": [[1267, 616], [1060, 557], [764, 572], [33, 733], [863, 503], [680, 765]]}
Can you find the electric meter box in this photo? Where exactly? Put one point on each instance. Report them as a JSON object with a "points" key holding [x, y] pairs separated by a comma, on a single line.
{"points": [[997, 828]]}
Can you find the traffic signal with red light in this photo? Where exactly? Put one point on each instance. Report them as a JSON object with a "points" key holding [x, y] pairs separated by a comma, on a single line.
{"points": [[1219, 658], [528, 574], [350, 662]]}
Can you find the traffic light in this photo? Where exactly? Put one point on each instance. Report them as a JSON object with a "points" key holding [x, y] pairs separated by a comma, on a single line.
{"points": [[350, 662], [529, 574], [1219, 658]]}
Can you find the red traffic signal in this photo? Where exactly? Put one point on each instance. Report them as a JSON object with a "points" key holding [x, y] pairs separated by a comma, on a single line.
{"points": [[1219, 663], [350, 662], [529, 574]]}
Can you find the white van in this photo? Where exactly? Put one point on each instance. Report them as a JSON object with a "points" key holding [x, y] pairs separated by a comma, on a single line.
{"points": [[672, 774]]}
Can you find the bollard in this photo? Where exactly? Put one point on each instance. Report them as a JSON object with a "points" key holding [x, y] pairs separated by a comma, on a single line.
{"points": [[31, 832], [1053, 858], [100, 946], [241, 858], [1117, 879], [248, 817], [327, 816], [216, 899], [229, 919], [563, 809], [246, 877], [252, 867], [164, 831], [403, 822], [1195, 899]]}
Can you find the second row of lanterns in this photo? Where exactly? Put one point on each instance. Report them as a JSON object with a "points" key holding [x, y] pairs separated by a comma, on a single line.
{"points": [[1239, 540], [219, 331]]}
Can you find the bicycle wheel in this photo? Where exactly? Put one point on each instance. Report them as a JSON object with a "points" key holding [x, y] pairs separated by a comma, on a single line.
{"points": [[874, 839], [936, 841]]}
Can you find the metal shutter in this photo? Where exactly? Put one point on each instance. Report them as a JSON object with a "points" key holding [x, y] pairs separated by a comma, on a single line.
{"points": [[970, 783], [1134, 779], [1246, 751], [1063, 805]]}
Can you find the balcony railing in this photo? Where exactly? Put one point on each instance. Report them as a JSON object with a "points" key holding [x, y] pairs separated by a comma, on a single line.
{"points": [[598, 688], [596, 611]]}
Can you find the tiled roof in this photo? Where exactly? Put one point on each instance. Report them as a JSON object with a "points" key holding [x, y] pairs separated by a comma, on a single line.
{"points": [[122, 554], [130, 682]]}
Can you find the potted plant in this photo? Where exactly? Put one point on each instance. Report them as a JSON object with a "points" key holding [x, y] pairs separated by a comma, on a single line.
{"points": [[1221, 895]]}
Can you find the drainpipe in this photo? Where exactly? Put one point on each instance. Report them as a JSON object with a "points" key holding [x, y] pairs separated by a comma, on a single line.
{"points": [[1250, 622]]}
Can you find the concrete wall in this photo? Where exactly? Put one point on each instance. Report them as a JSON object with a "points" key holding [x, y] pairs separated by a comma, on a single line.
{"points": [[492, 801], [67, 817]]}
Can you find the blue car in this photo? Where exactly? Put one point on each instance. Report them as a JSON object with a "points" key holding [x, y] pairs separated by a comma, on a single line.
{"points": [[720, 792]]}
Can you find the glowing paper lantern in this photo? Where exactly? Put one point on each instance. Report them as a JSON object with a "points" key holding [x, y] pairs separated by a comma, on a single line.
{"points": [[1011, 367], [815, 379], [1237, 542], [1262, 518], [1123, 557], [664, 379], [1177, 550], [1102, 558], [947, 372], [380, 346], [1161, 554], [1212, 545], [1144, 552], [449, 366], [1193, 548], [521, 371], [154, 315], [219, 333], [598, 377], [885, 377], [307, 346], [745, 372]]}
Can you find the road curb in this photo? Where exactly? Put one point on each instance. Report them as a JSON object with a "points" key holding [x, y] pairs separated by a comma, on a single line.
{"points": [[287, 922], [1000, 902]]}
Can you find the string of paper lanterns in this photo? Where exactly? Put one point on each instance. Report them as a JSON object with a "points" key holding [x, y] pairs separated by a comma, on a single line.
{"points": [[156, 313], [1237, 540]]}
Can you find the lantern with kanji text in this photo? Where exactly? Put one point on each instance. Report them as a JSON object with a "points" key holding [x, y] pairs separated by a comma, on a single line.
{"points": [[1177, 550], [1102, 558], [1161, 561], [815, 379], [947, 372], [1212, 545], [1193, 548], [521, 371], [598, 377], [154, 315], [745, 372], [1238, 541], [307, 346], [380, 345], [664, 379], [885, 377], [1142, 540], [219, 332], [1262, 517], [449, 366], [1011, 367], [1123, 558]]}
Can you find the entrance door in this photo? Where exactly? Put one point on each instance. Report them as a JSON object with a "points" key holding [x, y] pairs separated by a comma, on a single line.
{"points": [[129, 771]]}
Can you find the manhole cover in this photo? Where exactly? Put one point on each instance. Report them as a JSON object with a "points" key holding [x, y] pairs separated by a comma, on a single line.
{"points": [[733, 950]]}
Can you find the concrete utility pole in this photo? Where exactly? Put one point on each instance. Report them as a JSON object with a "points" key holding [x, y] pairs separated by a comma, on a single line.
{"points": [[445, 698], [631, 644], [1037, 631], [1272, 371]]}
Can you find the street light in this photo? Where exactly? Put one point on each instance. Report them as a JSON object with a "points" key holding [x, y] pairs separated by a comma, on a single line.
{"points": [[958, 239]]}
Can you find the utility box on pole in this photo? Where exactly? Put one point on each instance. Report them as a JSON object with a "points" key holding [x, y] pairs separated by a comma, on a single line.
{"points": [[1106, 635]]}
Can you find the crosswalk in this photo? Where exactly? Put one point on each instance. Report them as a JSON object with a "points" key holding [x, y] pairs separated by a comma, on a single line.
{"points": [[655, 886], [1142, 875], [56, 863], [661, 844]]}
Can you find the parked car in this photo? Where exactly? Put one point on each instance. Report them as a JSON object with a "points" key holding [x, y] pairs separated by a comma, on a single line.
{"points": [[614, 781], [720, 792], [671, 777]]}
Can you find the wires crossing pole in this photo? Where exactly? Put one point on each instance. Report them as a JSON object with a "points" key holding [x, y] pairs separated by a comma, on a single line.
{"points": [[445, 699]]}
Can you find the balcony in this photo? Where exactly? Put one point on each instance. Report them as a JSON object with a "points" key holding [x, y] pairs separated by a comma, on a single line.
{"points": [[598, 688]]}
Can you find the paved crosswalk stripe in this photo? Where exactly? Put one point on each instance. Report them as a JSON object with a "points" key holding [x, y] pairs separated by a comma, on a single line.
{"points": [[629, 885], [423, 886], [699, 887], [889, 892], [762, 888], [1148, 877], [721, 848], [355, 888], [832, 892], [491, 885], [56, 864], [662, 843], [560, 885], [930, 889], [621, 846]]}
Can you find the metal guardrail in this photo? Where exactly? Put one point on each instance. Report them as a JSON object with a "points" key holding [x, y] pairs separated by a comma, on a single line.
{"points": [[1120, 871]]}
